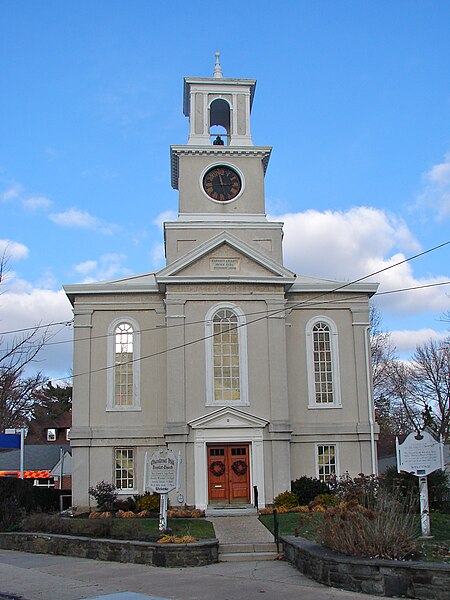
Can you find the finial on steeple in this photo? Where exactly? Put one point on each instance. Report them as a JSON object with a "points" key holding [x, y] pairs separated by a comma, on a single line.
{"points": [[217, 69]]}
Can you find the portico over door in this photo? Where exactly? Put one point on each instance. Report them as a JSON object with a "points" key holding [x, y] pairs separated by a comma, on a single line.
{"points": [[228, 474]]}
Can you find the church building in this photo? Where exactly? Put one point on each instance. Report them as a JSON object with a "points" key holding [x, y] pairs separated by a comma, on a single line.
{"points": [[256, 375]]}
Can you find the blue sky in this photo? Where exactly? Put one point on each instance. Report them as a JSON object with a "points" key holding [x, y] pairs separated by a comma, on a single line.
{"points": [[353, 96]]}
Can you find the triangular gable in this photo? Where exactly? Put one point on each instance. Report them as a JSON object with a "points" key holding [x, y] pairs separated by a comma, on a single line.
{"points": [[228, 417], [264, 266]]}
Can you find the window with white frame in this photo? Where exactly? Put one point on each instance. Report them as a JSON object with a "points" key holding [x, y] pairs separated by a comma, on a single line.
{"points": [[322, 359], [124, 371], [226, 356], [326, 462], [124, 468]]}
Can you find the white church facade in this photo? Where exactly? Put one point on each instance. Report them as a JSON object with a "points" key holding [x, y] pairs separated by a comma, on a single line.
{"points": [[256, 375]]}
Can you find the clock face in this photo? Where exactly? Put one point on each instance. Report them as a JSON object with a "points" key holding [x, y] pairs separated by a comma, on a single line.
{"points": [[222, 183]]}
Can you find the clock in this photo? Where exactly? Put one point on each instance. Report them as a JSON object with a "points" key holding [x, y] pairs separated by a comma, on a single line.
{"points": [[222, 183]]}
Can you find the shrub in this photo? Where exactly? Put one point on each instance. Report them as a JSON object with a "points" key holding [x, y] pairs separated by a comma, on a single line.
{"points": [[11, 514], [324, 500], [105, 495], [27, 497], [307, 488], [407, 485], [363, 489], [125, 505], [285, 500], [56, 524], [388, 530], [148, 502]]}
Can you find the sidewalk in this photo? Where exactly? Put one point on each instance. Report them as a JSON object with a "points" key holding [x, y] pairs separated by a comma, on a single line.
{"points": [[46, 577], [236, 530]]}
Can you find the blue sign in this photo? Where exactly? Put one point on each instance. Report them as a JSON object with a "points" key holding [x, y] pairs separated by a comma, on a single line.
{"points": [[9, 440]]}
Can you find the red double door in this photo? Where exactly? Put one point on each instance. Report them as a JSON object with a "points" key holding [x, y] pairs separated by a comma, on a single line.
{"points": [[228, 474]]}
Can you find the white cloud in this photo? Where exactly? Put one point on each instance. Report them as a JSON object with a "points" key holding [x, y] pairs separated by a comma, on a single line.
{"points": [[11, 193], [406, 340], [157, 256], [31, 202], [435, 195], [37, 203], [108, 266], [13, 250], [347, 245], [83, 220], [86, 266], [23, 306], [167, 215]]}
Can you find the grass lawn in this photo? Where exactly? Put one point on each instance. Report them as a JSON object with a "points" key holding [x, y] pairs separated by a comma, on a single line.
{"points": [[436, 549], [131, 529]]}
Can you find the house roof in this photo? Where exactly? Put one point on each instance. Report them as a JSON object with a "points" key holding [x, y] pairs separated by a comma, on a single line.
{"points": [[36, 457]]}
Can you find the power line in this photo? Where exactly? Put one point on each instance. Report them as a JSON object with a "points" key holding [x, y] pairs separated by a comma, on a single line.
{"points": [[36, 327], [310, 303], [69, 323], [265, 316]]}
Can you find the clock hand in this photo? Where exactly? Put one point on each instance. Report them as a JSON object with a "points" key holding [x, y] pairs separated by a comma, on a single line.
{"points": [[221, 183]]}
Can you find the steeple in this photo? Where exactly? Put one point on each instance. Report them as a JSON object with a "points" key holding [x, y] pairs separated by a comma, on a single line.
{"points": [[218, 106]]}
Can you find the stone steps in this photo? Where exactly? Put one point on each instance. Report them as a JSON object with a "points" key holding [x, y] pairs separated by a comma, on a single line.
{"points": [[230, 512], [245, 552]]}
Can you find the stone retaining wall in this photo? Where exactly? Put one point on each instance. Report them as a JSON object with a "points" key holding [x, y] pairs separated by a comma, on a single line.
{"points": [[426, 581], [195, 554]]}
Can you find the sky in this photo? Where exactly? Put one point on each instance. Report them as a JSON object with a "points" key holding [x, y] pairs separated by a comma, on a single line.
{"points": [[354, 97]]}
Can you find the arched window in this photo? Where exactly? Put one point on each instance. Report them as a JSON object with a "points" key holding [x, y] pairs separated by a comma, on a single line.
{"points": [[322, 357], [226, 356], [123, 365], [123, 374], [219, 121]]}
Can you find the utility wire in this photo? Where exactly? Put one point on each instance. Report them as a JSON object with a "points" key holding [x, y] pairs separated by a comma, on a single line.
{"points": [[68, 323], [309, 303], [265, 316]]}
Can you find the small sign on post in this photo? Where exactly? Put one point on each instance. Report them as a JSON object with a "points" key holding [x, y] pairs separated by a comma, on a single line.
{"points": [[420, 454], [164, 477]]}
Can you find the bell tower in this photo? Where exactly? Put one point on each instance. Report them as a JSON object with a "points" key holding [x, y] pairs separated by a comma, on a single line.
{"points": [[219, 173], [219, 109]]}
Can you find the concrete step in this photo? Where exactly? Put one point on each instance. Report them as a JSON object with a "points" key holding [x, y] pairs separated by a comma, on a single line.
{"points": [[247, 556], [230, 512], [248, 547], [248, 552]]}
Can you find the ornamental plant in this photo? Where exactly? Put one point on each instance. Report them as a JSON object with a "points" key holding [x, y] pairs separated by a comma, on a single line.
{"points": [[148, 501], [363, 488], [386, 530], [307, 488], [285, 500], [105, 494]]}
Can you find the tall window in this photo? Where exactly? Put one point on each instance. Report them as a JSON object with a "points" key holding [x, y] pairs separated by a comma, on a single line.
{"points": [[226, 356], [322, 362], [326, 462], [323, 372], [124, 365], [124, 468]]}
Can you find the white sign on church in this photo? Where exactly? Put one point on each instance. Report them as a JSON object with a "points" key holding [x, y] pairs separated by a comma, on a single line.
{"points": [[164, 471]]}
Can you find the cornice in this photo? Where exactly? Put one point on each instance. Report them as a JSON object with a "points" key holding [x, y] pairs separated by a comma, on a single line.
{"points": [[196, 221], [262, 152]]}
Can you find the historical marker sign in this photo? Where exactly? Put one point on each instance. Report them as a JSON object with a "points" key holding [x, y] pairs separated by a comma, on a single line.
{"points": [[419, 454], [164, 471]]}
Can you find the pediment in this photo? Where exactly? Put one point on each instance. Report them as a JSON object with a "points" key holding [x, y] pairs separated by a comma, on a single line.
{"points": [[228, 417], [224, 257]]}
